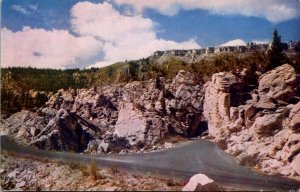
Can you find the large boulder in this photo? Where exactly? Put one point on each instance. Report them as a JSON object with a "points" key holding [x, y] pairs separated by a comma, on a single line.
{"points": [[111, 143], [183, 78], [201, 182], [268, 123], [278, 84]]}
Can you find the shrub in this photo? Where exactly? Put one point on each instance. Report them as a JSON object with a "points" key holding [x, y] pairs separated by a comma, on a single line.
{"points": [[74, 164], [170, 183], [114, 170]]}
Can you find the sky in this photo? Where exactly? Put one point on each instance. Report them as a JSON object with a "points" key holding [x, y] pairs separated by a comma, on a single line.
{"points": [[96, 33]]}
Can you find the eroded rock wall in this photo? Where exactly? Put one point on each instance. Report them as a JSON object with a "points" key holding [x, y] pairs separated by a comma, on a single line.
{"points": [[262, 131]]}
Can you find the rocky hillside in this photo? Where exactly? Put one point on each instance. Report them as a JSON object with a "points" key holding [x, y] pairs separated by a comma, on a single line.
{"points": [[113, 118], [259, 124]]}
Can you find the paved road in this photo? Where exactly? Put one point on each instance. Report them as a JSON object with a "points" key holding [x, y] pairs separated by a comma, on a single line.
{"points": [[182, 161]]}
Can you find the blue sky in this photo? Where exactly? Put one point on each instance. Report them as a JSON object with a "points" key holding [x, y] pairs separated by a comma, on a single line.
{"points": [[74, 33]]}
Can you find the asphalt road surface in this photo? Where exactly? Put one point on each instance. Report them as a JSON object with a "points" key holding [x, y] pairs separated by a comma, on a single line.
{"points": [[182, 161]]}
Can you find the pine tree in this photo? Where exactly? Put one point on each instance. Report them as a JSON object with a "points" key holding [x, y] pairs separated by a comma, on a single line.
{"points": [[157, 82], [26, 100], [276, 55], [22, 98]]}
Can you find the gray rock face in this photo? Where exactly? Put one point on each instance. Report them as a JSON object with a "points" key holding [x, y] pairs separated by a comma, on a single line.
{"points": [[131, 124], [63, 132]]}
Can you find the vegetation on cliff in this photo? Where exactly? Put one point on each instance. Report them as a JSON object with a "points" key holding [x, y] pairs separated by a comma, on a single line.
{"points": [[18, 83]]}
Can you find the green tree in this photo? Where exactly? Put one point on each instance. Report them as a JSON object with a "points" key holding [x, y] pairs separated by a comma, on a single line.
{"points": [[276, 55]]}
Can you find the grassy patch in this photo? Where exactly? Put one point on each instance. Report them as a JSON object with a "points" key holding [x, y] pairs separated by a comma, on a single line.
{"points": [[93, 169]]}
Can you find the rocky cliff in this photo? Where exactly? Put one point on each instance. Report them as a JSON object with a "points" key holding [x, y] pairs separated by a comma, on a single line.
{"points": [[261, 130], [259, 125]]}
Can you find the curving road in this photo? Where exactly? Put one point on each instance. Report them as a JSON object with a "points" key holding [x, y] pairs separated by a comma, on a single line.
{"points": [[182, 161]]}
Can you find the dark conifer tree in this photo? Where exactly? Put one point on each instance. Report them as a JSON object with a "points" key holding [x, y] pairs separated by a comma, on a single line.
{"points": [[276, 55]]}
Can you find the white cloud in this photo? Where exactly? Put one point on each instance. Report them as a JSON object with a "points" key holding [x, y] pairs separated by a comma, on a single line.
{"points": [[103, 36], [20, 9], [236, 42], [272, 10], [124, 37], [46, 49]]}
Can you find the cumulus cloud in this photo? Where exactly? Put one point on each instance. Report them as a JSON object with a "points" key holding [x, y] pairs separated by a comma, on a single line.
{"points": [[273, 10], [124, 37], [103, 36], [47, 49]]}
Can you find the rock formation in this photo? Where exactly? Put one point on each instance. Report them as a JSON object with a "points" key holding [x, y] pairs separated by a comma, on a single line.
{"points": [[262, 131], [259, 125], [112, 118]]}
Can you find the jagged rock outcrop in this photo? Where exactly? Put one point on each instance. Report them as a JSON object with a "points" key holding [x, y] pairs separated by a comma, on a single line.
{"points": [[223, 95], [63, 132], [262, 131], [217, 102], [48, 129], [113, 118]]}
